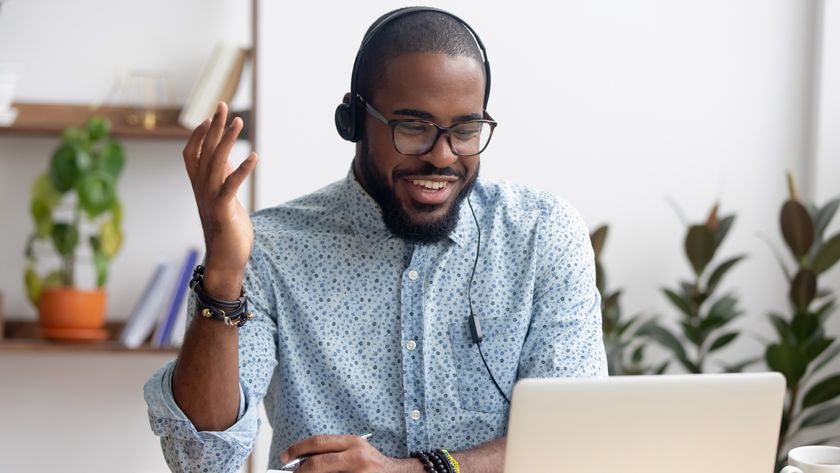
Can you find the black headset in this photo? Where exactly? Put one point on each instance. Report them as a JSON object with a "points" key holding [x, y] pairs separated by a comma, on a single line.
{"points": [[349, 115]]}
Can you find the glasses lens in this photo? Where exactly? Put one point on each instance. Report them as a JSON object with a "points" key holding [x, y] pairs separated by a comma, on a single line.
{"points": [[416, 138], [469, 138]]}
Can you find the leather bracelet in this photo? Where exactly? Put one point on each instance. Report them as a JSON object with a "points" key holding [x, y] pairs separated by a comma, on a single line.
{"points": [[231, 313]]}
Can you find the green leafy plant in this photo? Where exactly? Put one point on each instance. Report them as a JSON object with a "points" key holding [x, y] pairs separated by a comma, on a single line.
{"points": [[704, 318], [621, 337], [82, 175], [802, 349]]}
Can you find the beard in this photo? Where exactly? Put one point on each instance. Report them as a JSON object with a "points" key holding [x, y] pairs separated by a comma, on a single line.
{"points": [[394, 215]]}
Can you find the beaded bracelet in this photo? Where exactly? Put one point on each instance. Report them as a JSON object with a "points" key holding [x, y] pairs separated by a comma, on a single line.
{"points": [[434, 461]]}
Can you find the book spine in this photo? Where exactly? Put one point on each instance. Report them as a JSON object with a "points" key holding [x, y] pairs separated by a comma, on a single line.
{"points": [[178, 293]]}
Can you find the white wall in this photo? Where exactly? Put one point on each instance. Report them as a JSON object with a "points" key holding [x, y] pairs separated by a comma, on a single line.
{"points": [[613, 105], [85, 412]]}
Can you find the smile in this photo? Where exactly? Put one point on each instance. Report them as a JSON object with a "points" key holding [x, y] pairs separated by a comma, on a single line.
{"points": [[431, 185]]}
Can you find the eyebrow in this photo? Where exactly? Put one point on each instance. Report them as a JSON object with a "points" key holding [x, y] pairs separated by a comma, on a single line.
{"points": [[411, 112]]}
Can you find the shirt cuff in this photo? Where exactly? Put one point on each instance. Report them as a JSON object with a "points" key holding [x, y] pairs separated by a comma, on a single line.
{"points": [[168, 420]]}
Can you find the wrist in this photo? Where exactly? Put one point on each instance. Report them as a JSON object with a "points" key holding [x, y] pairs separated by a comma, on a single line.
{"points": [[408, 465]]}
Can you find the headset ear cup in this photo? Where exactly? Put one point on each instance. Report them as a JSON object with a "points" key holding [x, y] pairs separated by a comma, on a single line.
{"points": [[344, 121]]}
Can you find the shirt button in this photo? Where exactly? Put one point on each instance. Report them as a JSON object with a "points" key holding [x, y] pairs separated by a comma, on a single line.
{"points": [[415, 414], [413, 275], [411, 345]]}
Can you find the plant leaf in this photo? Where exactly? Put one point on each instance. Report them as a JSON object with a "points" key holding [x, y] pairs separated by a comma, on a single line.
{"points": [[693, 334], [112, 241], [42, 215], [96, 192], [825, 415], [797, 228], [65, 237], [97, 128], [63, 168], [44, 190], [723, 229], [34, 286], [665, 338], [699, 247], [828, 255], [823, 391], [824, 216], [787, 360], [805, 326], [112, 159], [815, 346], [827, 357], [720, 271], [722, 341], [116, 212], [682, 304], [725, 308], [803, 289], [782, 328], [598, 237]]}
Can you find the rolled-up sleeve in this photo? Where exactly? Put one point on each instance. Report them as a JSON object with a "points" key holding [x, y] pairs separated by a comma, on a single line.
{"points": [[565, 338], [188, 450]]}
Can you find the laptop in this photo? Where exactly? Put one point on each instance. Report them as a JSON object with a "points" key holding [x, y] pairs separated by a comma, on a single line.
{"points": [[646, 424]]}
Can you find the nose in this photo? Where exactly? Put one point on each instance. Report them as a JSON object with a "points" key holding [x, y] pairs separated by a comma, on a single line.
{"points": [[441, 155]]}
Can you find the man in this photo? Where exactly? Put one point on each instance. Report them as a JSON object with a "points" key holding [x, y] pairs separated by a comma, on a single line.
{"points": [[365, 294]]}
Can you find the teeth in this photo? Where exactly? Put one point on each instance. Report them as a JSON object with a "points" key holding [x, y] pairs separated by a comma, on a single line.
{"points": [[430, 184]]}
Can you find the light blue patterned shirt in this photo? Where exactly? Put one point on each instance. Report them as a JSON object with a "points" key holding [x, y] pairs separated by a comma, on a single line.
{"points": [[357, 331]]}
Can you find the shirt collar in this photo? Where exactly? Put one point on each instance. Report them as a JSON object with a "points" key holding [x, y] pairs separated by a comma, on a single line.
{"points": [[366, 215]]}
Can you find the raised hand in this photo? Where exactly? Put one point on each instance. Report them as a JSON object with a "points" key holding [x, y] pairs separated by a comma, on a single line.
{"points": [[228, 233]]}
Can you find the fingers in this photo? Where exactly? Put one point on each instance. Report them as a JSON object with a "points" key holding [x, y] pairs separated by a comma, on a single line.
{"points": [[328, 462], [319, 444], [235, 179], [211, 139], [220, 155], [192, 148]]}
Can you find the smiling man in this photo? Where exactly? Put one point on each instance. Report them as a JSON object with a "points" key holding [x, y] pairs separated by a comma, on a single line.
{"points": [[403, 301]]}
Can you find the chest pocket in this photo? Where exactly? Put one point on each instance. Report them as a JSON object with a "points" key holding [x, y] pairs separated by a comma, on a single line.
{"points": [[501, 347]]}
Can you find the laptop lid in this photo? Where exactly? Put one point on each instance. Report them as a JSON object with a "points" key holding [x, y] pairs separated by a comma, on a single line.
{"points": [[650, 424]]}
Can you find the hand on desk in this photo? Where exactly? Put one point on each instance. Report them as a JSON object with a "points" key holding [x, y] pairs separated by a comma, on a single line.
{"points": [[346, 453]]}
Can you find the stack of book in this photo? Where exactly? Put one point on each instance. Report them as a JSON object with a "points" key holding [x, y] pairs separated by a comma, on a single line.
{"points": [[161, 310]]}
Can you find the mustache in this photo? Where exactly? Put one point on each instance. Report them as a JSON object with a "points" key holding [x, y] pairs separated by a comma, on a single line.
{"points": [[430, 170]]}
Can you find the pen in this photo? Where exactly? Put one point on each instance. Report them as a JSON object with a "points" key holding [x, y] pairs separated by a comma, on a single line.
{"points": [[292, 465]]}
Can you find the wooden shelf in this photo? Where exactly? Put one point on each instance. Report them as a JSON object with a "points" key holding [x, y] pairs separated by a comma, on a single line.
{"points": [[23, 337], [51, 119]]}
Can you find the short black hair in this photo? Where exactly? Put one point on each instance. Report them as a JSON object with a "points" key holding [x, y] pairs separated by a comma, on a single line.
{"points": [[421, 32]]}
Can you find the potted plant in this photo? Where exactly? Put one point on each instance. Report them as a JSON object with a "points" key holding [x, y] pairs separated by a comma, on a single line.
{"points": [[803, 348], [75, 201]]}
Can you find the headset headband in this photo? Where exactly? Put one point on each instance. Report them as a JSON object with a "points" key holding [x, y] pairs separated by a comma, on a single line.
{"points": [[349, 117]]}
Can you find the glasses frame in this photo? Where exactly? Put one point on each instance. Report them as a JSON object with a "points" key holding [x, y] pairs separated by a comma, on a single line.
{"points": [[447, 130]]}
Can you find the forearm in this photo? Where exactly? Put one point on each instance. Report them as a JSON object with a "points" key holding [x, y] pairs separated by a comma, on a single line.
{"points": [[205, 381]]}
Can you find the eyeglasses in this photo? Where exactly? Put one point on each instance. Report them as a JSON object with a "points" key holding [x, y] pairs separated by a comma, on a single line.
{"points": [[414, 137]]}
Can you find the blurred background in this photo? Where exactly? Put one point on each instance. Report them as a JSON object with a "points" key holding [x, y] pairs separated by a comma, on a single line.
{"points": [[643, 114]]}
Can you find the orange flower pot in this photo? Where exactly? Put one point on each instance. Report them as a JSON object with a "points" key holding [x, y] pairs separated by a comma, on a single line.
{"points": [[67, 313]]}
